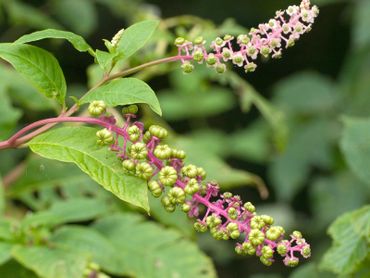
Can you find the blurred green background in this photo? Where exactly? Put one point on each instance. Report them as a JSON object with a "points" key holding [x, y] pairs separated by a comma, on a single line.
{"points": [[286, 123]]}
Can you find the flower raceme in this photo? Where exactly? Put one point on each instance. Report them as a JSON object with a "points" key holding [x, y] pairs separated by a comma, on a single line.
{"points": [[269, 39], [183, 186]]}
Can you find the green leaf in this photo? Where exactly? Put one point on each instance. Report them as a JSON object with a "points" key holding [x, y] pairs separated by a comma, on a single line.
{"points": [[8, 269], [5, 252], [38, 66], [355, 144], [351, 242], [79, 16], [21, 13], [65, 144], [305, 149], [135, 37], [361, 35], [92, 243], [47, 262], [332, 196], [124, 91], [40, 173], [77, 41], [9, 115], [69, 211], [151, 251]]}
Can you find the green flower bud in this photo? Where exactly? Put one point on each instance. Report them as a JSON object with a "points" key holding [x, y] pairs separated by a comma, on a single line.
{"points": [[190, 171], [297, 234], [128, 165], [201, 173], [217, 234], [211, 59], [176, 195], [213, 221], [155, 188], [168, 176], [239, 250], [199, 41], [265, 51], [306, 251], [186, 207], [249, 248], [273, 233], [238, 59], [163, 152], [290, 43], [291, 262], [147, 136], [250, 67], [267, 252], [167, 204], [192, 187], [187, 67], [257, 222], [179, 41], [267, 219], [96, 108], [281, 248], [265, 261], [105, 137], [234, 234], [233, 213], [249, 207], [134, 133], [256, 237], [144, 170], [180, 154], [226, 53], [219, 41], [158, 131], [228, 37], [232, 227], [138, 151], [244, 39], [200, 227], [251, 51], [198, 55], [131, 109], [220, 68]]}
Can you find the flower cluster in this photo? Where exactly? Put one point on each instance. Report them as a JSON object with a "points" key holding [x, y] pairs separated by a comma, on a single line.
{"points": [[268, 39], [183, 186]]}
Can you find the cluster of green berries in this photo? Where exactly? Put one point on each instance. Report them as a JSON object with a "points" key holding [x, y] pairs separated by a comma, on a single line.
{"points": [[145, 155]]}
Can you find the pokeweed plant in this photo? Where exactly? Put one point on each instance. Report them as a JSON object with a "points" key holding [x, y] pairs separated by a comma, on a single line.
{"points": [[139, 159]]}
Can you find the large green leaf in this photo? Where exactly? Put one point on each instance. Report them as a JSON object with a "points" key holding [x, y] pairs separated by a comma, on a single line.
{"points": [[8, 269], [351, 246], [51, 263], [125, 91], [75, 210], [78, 145], [355, 144], [135, 37], [5, 252], [148, 250], [38, 66], [77, 41], [79, 16], [361, 34]]}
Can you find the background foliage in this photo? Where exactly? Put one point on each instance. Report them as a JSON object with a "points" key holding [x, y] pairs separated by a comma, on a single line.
{"points": [[300, 124]]}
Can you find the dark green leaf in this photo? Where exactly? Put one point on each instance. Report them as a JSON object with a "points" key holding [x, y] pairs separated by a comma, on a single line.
{"points": [[92, 243], [151, 251], [135, 37], [351, 246], [8, 269], [80, 16], [69, 211], [124, 91], [38, 66], [5, 252], [51, 263], [77, 41], [355, 144], [65, 144]]}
